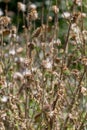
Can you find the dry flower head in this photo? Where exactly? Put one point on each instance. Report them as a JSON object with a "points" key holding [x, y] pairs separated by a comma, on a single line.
{"points": [[21, 6], [55, 9]]}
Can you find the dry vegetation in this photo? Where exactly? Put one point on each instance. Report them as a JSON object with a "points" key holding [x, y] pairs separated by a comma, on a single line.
{"points": [[43, 79]]}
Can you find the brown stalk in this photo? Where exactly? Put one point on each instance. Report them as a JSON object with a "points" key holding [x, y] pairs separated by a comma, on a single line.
{"points": [[67, 38], [68, 33], [42, 13], [27, 106], [78, 89]]}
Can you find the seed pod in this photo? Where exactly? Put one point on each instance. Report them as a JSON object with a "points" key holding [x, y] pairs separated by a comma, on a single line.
{"points": [[21, 7]]}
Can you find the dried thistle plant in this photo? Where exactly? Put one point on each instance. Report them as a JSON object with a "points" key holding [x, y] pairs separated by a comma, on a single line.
{"points": [[43, 76]]}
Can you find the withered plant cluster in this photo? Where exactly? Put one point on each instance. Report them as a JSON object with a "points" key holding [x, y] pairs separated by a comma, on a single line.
{"points": [[43, 77]]}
